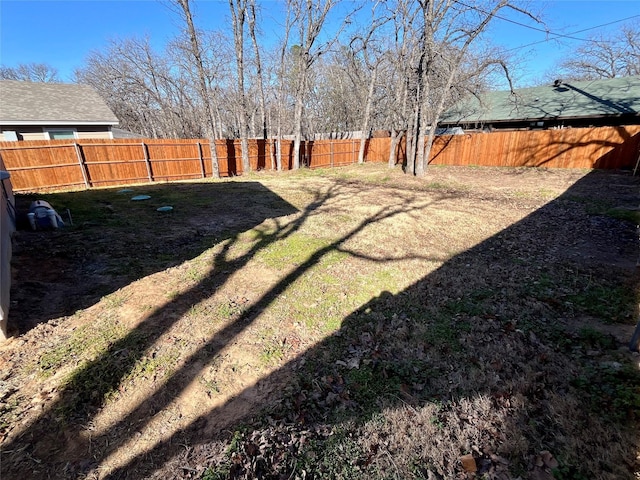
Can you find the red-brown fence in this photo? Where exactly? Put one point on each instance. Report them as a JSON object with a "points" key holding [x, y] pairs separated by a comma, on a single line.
{"points": [[603, 147], [59, 164]]}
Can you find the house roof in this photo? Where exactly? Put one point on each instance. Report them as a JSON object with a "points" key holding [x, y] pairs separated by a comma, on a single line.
{"points": [[31, 103], [562, 100]]}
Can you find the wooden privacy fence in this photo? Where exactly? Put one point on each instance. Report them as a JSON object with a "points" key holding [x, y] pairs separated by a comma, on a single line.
{"points": [[94, 163], [602, 147], [60, 164]]}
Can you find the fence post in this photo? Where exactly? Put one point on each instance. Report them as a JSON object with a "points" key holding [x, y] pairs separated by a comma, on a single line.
{"points": [[331, 144], [146, 160], [353, 151], [83, 167], [214, 151], [272, 153], [201, 159]]}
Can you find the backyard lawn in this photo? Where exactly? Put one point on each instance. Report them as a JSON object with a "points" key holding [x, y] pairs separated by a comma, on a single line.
{"points": [[344, 323]]}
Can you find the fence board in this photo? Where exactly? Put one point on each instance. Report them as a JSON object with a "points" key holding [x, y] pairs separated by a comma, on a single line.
{"points": [[47, 164]]}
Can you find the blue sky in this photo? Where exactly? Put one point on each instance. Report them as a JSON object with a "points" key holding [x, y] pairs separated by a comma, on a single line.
{"points": [[62, 33]]}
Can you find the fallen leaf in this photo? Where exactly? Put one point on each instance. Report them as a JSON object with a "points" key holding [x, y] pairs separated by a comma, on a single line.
{"points": [[469, 463], [548, 459]]}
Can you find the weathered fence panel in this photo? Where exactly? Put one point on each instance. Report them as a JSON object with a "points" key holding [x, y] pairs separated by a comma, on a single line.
{"points": [[59, 164], [377, 150], [603, 147], [115, 163], [35, 164], [331, 153]]}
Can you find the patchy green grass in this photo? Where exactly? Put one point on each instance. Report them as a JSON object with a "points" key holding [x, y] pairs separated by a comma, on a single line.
{"points": [[293, 251], [632, 216], [612, 303], [592, 338], [154, 365], [318, 342], [84, 343], [604, 207], [613, 389], [273, 351], [610, 300]]}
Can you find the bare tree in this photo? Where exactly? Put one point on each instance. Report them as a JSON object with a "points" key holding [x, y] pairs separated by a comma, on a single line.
{"points": [[402, 79], [144, 89], [367, 45], [30, 72], [256, 50], [281, 68], [335, 92], [605, 56], [182, 92], [448, 30], [311, 15], [204, 90], [217, 57], [239, 15], [400, 82]]}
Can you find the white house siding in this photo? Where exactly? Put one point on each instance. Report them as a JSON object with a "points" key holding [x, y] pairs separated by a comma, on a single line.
{"points": [[37, 132], [103, 135], [33, 135]]}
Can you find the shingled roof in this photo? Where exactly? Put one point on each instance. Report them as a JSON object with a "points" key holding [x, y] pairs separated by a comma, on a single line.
{"points": [[563, 100], [31, 103]]}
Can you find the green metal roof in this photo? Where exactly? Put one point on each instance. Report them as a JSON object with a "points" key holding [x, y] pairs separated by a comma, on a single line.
{"points": [[585, 99]]}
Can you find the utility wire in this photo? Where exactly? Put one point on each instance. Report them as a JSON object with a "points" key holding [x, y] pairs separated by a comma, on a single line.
{"points": [[515, 22], [547, 32], [574, 33]]}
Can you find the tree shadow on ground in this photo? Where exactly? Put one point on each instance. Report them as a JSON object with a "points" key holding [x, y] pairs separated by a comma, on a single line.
{"points": [[504, 353], [84, 392], [115, 241]]}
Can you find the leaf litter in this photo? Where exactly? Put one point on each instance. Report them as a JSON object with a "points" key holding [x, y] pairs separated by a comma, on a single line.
{"points": [[500, 353]]}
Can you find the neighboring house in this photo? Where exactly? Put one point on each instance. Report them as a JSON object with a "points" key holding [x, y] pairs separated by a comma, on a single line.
{"points": [[52, 111], [609, 102]]}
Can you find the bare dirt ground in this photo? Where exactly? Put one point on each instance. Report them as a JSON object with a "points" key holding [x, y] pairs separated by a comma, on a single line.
{"points": [[352, 323]]}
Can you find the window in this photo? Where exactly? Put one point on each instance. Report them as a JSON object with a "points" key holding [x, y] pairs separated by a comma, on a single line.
{"points": [[61, 134], [10, 136]]}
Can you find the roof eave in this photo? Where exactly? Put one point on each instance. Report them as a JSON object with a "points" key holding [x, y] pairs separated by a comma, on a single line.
{"points": [[57, 122], [542, 119]]}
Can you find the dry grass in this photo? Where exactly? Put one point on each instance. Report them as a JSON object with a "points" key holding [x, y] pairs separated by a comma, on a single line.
{"points": [[352, 323]]}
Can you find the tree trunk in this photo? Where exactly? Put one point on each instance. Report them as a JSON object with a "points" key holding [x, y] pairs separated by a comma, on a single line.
{"points": [[420, 169], [272, 152], [297, 121], [279, 152], [412, 137], [367, 115], [396, 137], [421, 161]]}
